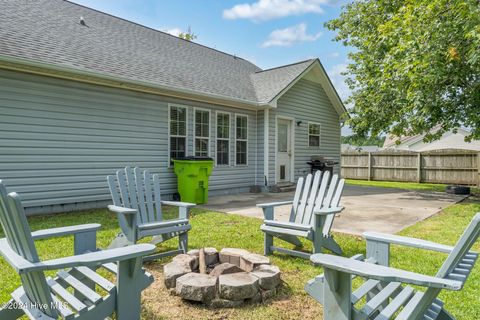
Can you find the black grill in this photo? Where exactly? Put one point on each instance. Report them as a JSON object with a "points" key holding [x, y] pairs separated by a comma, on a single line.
{"points": [[320, 163]]}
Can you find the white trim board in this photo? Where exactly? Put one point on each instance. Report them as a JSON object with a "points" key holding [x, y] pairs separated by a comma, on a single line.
{"points": [[266, 146]]}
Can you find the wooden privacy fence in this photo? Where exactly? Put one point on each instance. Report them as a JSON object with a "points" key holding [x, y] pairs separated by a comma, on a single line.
{"points": [[439, 166]]}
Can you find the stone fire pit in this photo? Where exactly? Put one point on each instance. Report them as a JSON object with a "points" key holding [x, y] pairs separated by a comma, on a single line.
{"points": [[231, 277]]}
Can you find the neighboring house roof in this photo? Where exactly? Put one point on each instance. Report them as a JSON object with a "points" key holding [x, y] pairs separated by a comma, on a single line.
{"points": [[49, 33], [391, 140], [449, 140]]}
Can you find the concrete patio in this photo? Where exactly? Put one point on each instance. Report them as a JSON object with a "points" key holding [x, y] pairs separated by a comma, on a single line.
{"points": [[366, 208]]}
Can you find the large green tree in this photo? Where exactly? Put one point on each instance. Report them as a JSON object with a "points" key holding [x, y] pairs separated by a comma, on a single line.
{"points": [[415, 65]]}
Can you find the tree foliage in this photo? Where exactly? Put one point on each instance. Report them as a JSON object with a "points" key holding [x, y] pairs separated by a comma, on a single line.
{"points": [[363, 141], [188, 35], [415, 65]]}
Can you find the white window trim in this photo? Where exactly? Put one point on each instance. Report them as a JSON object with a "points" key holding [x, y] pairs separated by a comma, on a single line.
{"points": [[237, 115], [229, 139], [319, 135], [177, 136], [209, 130]]}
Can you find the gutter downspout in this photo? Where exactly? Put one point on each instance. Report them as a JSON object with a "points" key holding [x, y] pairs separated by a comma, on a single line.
{"points": [[256, 147], [266, 136]]}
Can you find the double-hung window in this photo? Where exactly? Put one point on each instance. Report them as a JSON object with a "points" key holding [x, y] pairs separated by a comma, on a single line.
{"points": [[202, 133], [313, 134], [223, 138], [241, 135], [178, 131]]}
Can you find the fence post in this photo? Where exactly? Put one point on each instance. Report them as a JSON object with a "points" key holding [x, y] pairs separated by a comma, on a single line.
{"points": [[369, 166], [478, 166], [419, 167]]}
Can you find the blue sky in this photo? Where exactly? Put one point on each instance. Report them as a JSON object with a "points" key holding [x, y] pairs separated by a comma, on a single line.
{"points": [[269, 33]]}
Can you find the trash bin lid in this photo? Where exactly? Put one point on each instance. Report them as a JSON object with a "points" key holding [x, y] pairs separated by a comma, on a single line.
{"points": [[192, 158]]}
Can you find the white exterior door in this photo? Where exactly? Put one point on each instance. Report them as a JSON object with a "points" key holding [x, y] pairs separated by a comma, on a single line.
{"points": [[284, 170]]}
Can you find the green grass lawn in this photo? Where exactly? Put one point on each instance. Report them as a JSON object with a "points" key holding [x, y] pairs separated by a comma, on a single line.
{"points": [[399, 185], [220, 230]]}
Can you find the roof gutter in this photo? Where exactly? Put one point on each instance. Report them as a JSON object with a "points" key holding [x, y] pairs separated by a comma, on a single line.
{"points": [[64, 72]]}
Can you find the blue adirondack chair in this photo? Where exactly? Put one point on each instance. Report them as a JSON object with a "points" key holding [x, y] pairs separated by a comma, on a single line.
{"points": [[47, 298], [138, 205], [386, 292], [314, 206]]}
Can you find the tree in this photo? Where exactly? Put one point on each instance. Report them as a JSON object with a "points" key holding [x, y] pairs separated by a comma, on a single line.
{"points": [[415, 65], [189, 35], [364, 141]]}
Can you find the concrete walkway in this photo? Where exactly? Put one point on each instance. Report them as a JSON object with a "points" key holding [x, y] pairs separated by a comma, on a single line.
{"points": [[366, 208]]}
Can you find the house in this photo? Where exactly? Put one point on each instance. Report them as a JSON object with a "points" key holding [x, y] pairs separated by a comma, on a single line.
{"points": [[448, 140], [83, 93]]}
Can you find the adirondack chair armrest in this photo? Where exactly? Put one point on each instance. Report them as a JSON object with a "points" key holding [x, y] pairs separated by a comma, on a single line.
{"points": [[91, 259], [382, 273], [179, 204], [183, 207], [273, 204], [122, 210], [269, 208], [327, 211], [65, 231], [406, 241]]}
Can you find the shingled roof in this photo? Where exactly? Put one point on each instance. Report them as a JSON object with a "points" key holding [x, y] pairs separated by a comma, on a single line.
{"points": [[268, 83], [49, 32]]}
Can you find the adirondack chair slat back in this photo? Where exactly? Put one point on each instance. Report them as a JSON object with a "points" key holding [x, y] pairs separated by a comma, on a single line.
{"points": [[19, 238], [314, 193], [307, 215], [137, 190], [463, 246], [317, 192], [139, 187], [322, 191], [296, 199], [334, 202], [303, 199]]}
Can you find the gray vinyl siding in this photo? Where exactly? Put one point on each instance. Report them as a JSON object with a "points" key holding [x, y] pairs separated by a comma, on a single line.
{"points": [[260, 148], [307, 101], [271, 146], [60, 139]]}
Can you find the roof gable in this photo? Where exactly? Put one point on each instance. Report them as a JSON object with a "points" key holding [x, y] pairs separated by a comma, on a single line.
{"points": [[314, 71], [269, 83]]}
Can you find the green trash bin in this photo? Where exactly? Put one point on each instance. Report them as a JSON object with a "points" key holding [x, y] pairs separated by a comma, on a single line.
{"points": [[192, 175]]}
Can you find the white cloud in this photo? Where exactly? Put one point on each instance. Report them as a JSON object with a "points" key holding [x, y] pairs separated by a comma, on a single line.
{"points": [[271, 9], [173, 31], [334, 55], [289, 36], [338, 80]]}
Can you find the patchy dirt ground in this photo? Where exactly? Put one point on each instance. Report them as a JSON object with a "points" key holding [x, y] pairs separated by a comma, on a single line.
{"points": [[158, 303]]}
